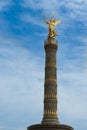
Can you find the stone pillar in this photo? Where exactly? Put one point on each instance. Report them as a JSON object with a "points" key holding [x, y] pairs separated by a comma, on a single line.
{"points": [[50, 116], [50, 85]]}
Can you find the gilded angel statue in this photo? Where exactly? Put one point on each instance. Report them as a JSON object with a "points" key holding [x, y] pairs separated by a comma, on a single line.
{"points": [[51, 26]]}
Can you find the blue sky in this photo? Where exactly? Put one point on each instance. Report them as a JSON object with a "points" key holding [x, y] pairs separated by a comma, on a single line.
{"points": [[22, 57]]}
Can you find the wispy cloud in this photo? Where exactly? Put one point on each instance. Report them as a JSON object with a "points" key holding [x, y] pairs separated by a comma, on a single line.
{"points": [[72, 13], [76, 8], [21, 77], [20, 73], [72, 82], [32, 20], [35, 5], [85, 54], [70, 93], [4, 5]]}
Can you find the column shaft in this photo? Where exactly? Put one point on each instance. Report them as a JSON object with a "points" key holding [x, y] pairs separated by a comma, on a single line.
{"points": [[50, 85]]}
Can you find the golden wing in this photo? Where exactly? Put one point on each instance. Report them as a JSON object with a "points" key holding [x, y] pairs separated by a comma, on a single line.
{"points": [[57, 22]]}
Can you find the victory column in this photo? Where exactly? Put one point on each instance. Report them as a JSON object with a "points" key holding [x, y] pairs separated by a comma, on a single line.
{"points": [[50, 119]]}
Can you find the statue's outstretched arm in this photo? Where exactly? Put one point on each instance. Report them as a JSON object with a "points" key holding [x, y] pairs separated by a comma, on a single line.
{"points": [[47, 22]]}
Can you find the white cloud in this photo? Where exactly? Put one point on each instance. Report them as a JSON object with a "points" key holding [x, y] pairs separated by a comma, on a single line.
{"points": [[32, 20], [44, 5], [21, 85], [21, 75], [85, 54], [3, 128], [77, 8], [20, 79], [4, 5], [72, 88], [72, 82], [68, 11]]}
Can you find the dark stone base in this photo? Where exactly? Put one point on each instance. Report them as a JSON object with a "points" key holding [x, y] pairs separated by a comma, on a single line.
{"points": [[49, 127]]}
